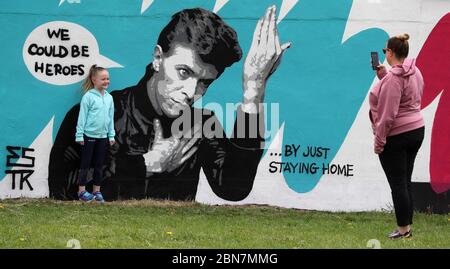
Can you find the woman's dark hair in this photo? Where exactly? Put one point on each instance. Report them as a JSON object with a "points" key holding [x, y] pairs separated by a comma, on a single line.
{"points": [[206, 33], [399, 45]]}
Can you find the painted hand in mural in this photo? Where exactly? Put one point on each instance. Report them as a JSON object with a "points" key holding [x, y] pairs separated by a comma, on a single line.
{"points": [[166, 155], [263, 58], [328, 74]]}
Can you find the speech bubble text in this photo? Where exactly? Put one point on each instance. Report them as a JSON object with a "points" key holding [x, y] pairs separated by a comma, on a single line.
{"points": [[61, 53]]}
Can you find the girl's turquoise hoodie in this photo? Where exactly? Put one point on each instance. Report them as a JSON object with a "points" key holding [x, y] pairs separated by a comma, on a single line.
{"points": [[96, 117]]}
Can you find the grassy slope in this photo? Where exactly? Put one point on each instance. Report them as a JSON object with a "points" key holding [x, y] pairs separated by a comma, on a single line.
{"points": [[161, 224]]}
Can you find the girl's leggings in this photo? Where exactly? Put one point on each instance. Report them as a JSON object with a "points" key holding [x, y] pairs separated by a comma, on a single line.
{"points": [[94, 150]]}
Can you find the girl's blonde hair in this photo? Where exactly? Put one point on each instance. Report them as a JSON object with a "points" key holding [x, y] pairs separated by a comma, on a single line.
{"points": [[88, 83]]}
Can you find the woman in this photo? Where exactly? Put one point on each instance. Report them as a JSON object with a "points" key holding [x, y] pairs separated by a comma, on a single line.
{"points": [[398, 126]]}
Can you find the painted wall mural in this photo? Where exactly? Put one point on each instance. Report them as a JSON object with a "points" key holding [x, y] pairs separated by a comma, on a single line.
{"points": [[435, 69], [312, 147]]}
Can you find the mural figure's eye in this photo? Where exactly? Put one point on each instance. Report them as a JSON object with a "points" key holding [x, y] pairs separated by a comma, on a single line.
{"points": [[184, 73]]}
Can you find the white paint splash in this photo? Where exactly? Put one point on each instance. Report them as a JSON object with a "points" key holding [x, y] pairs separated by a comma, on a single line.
{"points": [[286, 7], [421, 172], [42, 146], [332, 193], [417, 18], [69, 1], [145, 5], [219, 5]]}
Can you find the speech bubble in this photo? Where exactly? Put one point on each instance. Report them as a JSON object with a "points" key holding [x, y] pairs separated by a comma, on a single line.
{"points": [[61, 53]]}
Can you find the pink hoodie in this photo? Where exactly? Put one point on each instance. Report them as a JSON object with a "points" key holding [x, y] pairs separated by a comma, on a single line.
{"points": [[395, 102]]}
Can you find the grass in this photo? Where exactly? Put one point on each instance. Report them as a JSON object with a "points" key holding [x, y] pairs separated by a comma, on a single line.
{"points": [[45, 223]]}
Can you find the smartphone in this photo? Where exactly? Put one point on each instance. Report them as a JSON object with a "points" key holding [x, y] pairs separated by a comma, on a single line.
{"points": [[375, 60]]}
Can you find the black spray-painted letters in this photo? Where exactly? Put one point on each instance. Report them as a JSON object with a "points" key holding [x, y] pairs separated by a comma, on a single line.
{"points": [[303, 165], [27, 162], [58, 51]]}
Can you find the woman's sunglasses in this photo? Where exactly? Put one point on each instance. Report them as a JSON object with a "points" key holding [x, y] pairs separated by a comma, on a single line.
{"points": [[384, 50]]}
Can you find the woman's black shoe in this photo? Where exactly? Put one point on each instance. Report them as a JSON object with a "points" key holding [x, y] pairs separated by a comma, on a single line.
{"points": [[396, 234]]}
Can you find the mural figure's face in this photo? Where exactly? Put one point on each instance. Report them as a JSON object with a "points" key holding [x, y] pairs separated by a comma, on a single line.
{"points": [[101, 80], [180, 79]]}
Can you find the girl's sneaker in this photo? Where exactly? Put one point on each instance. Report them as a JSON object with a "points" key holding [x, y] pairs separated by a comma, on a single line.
{"points": [[85, 196], [98, 197]]}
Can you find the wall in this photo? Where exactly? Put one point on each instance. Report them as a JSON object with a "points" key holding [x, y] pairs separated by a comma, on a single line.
{"points": [[320, 89]]}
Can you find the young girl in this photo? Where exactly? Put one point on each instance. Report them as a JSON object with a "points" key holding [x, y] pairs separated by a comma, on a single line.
{"points": [[94, 128]]}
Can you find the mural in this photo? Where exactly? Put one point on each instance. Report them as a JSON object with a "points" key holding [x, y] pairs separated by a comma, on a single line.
{"points": [[313, 144], [434, 68]]}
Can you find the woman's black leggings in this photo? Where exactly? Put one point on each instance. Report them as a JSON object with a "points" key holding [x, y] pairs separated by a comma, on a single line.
{"points": [[397, 160], [94, 149]]}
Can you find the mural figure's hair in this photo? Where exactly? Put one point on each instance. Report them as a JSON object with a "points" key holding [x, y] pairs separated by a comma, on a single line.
{"points": [[88, 83], [213, 40], [399, 45]]}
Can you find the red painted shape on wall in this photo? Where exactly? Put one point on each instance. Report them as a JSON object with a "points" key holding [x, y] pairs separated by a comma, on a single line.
{"points": [[434, 62]]}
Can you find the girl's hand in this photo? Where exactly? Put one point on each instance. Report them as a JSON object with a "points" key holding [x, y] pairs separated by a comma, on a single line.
{"points": [[81, 142], [112, 142]]}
